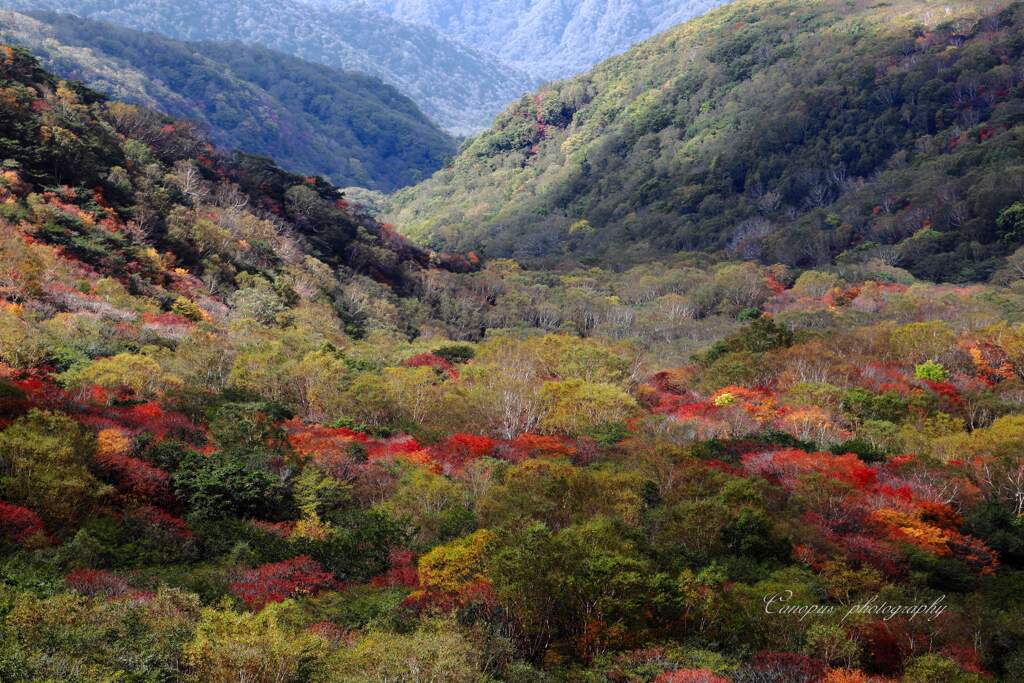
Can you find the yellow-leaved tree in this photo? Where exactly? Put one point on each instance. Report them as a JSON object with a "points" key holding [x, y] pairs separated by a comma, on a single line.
{"points": [[575, 406], [270, 646]]}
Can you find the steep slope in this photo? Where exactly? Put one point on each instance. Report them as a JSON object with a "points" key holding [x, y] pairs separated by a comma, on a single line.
{"points": [[549, 38], [776, 130], [117, 213], [457, 87], [350, 128]]}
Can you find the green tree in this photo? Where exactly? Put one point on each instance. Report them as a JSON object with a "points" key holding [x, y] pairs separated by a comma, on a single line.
{"points": [[20, 345], [138, 373], [230, 484], [558, 494], [44, 465], [933, 668], [931, 371], [434, 507], [98, 638], [594, 570], [1011, 223]]}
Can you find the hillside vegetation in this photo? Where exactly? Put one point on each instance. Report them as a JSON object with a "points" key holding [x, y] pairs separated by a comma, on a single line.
{"points": [[350, 128], [461, 90], [248, 433], [548, 38], [781, 131], [170, 224]]}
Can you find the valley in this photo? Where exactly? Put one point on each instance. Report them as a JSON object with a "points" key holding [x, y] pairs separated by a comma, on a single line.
{"points": [[704, 365]]}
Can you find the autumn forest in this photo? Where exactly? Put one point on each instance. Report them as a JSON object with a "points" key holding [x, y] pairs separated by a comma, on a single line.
{"points": [[723, 416]]}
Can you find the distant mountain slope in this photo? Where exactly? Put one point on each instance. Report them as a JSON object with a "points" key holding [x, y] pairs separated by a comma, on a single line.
{"points": [[350, 128], [779, 130], [549, 38], [460, 89]]}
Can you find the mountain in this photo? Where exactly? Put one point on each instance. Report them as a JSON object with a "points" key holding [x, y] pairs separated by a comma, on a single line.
{"points": [[350, 128], [457, 87], [779, 130], [247, 433], [114, 191], [548, 38]]}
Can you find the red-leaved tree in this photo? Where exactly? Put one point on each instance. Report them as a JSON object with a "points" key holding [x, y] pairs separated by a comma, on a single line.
{"points": [[278, 581], [136, 477], [21, 525], [458, 449], [97, 582]]}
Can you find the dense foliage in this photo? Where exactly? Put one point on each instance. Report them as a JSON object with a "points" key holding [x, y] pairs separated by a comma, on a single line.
{"points": [[460, 89], [351, 129], [249, 434], [549, 38], [777, 131]]}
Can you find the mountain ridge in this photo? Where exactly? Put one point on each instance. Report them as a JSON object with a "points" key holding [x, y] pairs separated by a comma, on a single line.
{"points": [[770, 130], [456, 86], [548, 38], [350, 128]]}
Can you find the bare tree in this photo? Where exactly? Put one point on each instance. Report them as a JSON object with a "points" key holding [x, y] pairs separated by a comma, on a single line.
{"points": [[189, 180], [229, 196]]}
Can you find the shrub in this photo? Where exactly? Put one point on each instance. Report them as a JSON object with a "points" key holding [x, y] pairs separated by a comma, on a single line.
{"points": [[20, 525], [187, 308], [459, 449], [136, 478], [97, 582], [931, 371], [436, 651], [278, 581], [456, 353], [268, 647], [690, 676], [429, 360], [933, 668], [141, 375]]}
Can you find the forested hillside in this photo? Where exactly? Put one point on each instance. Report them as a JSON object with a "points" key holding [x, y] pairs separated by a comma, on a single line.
{"points": [[781, 131], [461, 90], [249, 434], [350, 128], [144, 202], [548, 38]]}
